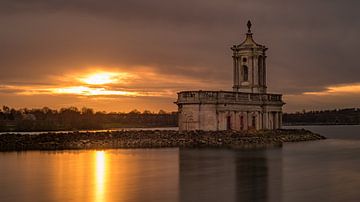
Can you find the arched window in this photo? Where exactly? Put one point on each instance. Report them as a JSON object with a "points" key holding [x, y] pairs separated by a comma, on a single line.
{"points": [[245, 73]]}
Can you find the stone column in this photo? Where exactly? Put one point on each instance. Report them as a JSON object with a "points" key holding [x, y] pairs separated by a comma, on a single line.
{"points": [[236, 73], [246, 120], [236, 120], [256, 71], [251, 73], [264, 72], [199, 118], [257, 125], [270, 120], [260, 74], [276, 120]]}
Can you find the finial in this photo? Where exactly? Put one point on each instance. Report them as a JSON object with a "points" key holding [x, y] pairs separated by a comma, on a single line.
{"points": [[249, 26]]}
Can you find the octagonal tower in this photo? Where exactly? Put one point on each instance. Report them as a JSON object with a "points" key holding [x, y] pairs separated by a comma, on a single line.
{"points": [[249, 60]]}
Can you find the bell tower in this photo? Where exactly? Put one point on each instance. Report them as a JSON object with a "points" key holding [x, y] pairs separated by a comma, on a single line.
{"points": [[249, 63]]}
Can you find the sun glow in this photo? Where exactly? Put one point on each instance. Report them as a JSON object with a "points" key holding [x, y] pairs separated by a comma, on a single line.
{"points": [[101, 78], [83, 90], [107, 83]]}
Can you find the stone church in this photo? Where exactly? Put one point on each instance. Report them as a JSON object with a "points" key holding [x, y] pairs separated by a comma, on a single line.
{"points": [[247, 107]]}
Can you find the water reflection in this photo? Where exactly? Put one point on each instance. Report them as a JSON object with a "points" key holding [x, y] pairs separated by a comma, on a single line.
{"points": [[110, 175], [228, 175], [258, 175], [100, 172], [309, 171], [140, 175], [251, 176]]}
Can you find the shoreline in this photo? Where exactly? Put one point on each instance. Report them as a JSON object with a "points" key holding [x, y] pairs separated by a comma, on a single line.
{"points": [[154, 139], [146, 128], [325, 124]]}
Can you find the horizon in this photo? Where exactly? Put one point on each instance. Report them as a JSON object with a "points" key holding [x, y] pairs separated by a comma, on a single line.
{"points": [[120, 56], [145, 111]]}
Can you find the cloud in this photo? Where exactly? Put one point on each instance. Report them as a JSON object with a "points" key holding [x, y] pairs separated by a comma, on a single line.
{"points": [[353, 88], [140, 81], [312, 44]]}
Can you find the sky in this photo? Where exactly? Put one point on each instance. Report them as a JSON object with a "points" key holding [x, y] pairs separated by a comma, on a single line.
{"points": [[117, 56]]}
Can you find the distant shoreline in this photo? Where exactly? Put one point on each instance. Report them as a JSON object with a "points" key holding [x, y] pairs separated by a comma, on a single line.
{"points": [[320, 124], [158, 127], [154, 139], [144, 128]]}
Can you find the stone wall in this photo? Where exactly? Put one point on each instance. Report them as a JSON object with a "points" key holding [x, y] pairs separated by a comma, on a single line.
{"points": [[218, 110]]}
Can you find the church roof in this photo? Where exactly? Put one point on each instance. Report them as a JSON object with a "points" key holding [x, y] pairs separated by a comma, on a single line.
{"points": [[249, 41]]}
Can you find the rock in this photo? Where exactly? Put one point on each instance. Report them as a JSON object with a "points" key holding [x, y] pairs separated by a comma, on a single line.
{"points": [[153, 139]]}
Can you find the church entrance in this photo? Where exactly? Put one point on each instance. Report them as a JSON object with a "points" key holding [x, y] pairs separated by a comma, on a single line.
{"points": [[241, 123], [228, 123], [253, 122]]}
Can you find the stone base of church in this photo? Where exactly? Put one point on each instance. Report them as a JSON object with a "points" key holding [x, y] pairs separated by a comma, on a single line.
{"points": [[226, 110]]}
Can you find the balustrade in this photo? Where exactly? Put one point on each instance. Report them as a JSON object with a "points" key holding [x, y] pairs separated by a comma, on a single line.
{"points": [[223, 96]]}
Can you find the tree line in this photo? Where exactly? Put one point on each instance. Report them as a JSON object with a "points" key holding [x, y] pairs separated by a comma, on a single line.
{"points": [[349, 116], [72, 118]]}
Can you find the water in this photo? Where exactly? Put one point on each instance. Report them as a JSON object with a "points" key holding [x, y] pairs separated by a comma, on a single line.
{"points": [[89, 131], [326, 170]]}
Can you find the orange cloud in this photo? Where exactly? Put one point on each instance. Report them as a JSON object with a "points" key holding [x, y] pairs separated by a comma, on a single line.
{"points": [[139, 81], [87, 91], [353, 88]]}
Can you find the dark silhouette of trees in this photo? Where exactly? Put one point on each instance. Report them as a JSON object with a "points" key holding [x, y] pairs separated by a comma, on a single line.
{"points": [[350, 116], [71, 118]]}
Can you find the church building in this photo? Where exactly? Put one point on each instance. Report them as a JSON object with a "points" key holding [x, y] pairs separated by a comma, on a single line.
{"points": [[247, 107]]}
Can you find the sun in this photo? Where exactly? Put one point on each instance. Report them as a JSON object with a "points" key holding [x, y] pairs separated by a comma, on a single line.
{"points": [[89, 91], [101, 78], [94, 84]]}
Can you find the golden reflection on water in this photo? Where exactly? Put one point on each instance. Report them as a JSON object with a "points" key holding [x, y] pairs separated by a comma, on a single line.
{"points": [[100, 174], [88, 175]]}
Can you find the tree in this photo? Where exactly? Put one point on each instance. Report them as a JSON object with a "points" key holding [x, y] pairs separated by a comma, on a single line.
{"points": [[162, 112], [6, 110], [147, 112], [135, 111], [87, 111]]}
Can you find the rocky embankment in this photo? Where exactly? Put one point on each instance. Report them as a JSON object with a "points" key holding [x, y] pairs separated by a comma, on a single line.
{"points": [[153, 139]]}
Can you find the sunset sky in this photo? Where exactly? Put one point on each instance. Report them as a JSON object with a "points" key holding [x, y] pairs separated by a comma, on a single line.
{"points": [[119, 55]]}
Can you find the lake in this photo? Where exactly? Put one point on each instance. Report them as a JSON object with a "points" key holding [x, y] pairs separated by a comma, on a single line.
{"points": [[327, 170]]}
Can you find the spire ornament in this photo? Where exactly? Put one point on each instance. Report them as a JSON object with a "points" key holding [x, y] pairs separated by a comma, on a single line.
{"points": [[249, 26]]}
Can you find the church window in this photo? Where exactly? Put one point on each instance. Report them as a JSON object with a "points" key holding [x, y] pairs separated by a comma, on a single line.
{"points": [[244, 59], [245, 73]]}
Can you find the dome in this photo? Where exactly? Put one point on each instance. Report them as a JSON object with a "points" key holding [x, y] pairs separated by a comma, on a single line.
{"points": [[249, 41]]}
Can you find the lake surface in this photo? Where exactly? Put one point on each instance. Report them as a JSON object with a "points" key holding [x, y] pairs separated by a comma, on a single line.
{"points": [[327, 170]]}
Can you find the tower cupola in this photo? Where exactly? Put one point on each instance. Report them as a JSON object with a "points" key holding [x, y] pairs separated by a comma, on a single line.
{"points": [[249, 63]]}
